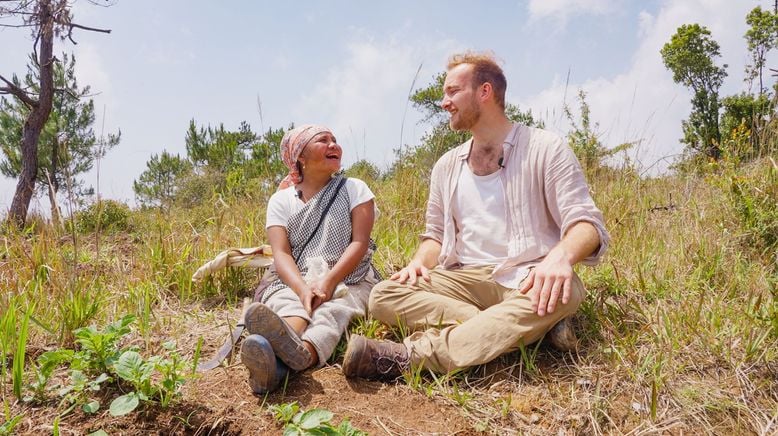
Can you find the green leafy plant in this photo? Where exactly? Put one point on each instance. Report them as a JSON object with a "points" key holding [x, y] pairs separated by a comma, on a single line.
{"points": [[156, 379], [132, 368], [311, 422], [100, 346], [76, 392], [284, 412], [174, 375], [46, 364], [7, 428]]}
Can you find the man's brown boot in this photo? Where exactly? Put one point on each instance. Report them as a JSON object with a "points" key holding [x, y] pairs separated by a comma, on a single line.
{"points": [[371, 359], [562, 336]]}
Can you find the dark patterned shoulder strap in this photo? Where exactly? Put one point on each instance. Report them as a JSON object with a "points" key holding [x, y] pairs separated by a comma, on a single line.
{"points": [[340, 184]]}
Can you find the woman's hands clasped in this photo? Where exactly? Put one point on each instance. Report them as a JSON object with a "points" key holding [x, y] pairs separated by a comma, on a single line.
{"points": [[315, 294]]}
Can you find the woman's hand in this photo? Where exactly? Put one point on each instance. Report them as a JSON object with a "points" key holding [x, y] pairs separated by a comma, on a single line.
{"points": [[322, 292], [307, 297]]}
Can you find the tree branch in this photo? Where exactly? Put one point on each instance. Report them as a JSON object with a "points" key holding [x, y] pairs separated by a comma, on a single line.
{"points": [[79, 26], [107, 4], [72, 26], [17, 92], [17, 25], [68, 92]]}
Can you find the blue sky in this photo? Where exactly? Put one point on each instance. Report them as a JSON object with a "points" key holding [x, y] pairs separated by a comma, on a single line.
{"points": [[350, 66]]}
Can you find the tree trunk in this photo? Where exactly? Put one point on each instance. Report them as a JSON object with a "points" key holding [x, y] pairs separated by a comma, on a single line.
{"points": [[36, 119]]}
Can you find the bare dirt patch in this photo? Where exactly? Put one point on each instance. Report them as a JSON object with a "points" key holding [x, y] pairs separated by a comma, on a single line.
{"points": [[220, 401]]}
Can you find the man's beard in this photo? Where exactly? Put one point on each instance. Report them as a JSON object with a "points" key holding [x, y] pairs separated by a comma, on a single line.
{"points": [[468, 117]]}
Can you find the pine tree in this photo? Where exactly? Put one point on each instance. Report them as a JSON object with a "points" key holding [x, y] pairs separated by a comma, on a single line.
{"points": [[67, 145]]}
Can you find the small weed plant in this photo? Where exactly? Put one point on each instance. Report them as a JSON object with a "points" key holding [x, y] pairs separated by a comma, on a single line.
{"points": [[100, 361], [100, 346], [312, 422], [132, 368], [9, 421]]}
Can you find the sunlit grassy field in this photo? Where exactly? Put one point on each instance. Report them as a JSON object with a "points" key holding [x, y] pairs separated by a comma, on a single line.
{"points": [[679, 330]]}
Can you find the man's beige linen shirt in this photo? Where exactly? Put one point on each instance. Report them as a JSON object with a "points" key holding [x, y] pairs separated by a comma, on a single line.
{"points": [[545, 192]]}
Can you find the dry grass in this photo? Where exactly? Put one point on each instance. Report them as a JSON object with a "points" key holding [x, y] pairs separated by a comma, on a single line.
{"points": [[679, 329]]}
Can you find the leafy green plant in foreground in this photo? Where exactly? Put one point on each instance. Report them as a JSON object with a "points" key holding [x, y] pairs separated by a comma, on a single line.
{"points": [[99, 350], [100, 345], [311, 422], [76, 392], [156, 379], [132, 368], [47, 363]]}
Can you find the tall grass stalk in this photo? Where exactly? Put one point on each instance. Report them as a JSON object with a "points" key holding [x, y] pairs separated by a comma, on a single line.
{"points": [[196, 356], [78, 307], [21, 354], [8, 336]]}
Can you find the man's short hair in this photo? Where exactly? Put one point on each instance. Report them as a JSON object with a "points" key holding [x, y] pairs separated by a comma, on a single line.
{"points": [[485, 69]]}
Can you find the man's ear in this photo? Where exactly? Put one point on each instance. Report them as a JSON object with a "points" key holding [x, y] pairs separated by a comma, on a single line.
{"points": [[485, 91]]}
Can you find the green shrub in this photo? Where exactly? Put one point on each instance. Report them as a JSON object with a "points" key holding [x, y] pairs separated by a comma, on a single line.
{"points": [[197, 188], [108, 215], [752, 193]]}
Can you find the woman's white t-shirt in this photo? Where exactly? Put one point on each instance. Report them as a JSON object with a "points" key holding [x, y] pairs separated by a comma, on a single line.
{"points": [[284, 203]]}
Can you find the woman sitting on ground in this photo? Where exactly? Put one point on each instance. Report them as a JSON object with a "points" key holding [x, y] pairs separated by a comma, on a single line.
{"points": [[318, 225]]}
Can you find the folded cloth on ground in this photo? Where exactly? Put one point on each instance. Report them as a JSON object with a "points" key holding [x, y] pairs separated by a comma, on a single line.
{"points": [[254, 257]]}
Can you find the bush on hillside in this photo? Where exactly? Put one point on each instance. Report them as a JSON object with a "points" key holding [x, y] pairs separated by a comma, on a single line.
{"points": [[108, 215]]}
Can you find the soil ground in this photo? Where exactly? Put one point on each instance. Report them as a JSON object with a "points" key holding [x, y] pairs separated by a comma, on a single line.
{"points": [[220, 401]]}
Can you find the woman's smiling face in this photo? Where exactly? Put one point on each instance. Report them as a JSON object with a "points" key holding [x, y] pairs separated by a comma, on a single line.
{"points": [[322, 154]]}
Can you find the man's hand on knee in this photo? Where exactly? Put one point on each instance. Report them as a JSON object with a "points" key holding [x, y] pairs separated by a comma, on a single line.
{"points": [[411, 273], [550, 279]]}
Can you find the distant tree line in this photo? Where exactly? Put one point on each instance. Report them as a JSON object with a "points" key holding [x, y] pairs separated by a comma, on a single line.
{"points": [[217, 162], [739, 124], [47, 139]]}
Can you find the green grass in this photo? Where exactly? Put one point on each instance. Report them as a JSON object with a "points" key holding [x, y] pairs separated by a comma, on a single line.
{"points": [[8, 335], [679, 327], [20, 354]]}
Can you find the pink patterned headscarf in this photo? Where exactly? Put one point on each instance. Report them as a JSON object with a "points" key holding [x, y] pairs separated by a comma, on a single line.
{"points": [[292, 146]]}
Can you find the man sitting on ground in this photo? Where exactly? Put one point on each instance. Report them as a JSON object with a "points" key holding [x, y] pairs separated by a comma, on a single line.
{"points": [[509, 214]]}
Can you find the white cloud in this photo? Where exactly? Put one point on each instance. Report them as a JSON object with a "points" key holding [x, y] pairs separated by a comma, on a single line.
{"points": [[643, 103], [363, 98], [561, 10], [645, 23]]}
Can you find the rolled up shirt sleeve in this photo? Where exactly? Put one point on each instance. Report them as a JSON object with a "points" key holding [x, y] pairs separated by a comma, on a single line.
{"points": [[568, 198], [435, 213]]}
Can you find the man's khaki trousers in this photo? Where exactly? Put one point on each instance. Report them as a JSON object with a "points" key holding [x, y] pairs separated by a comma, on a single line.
{"points": [[462, 317]]}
